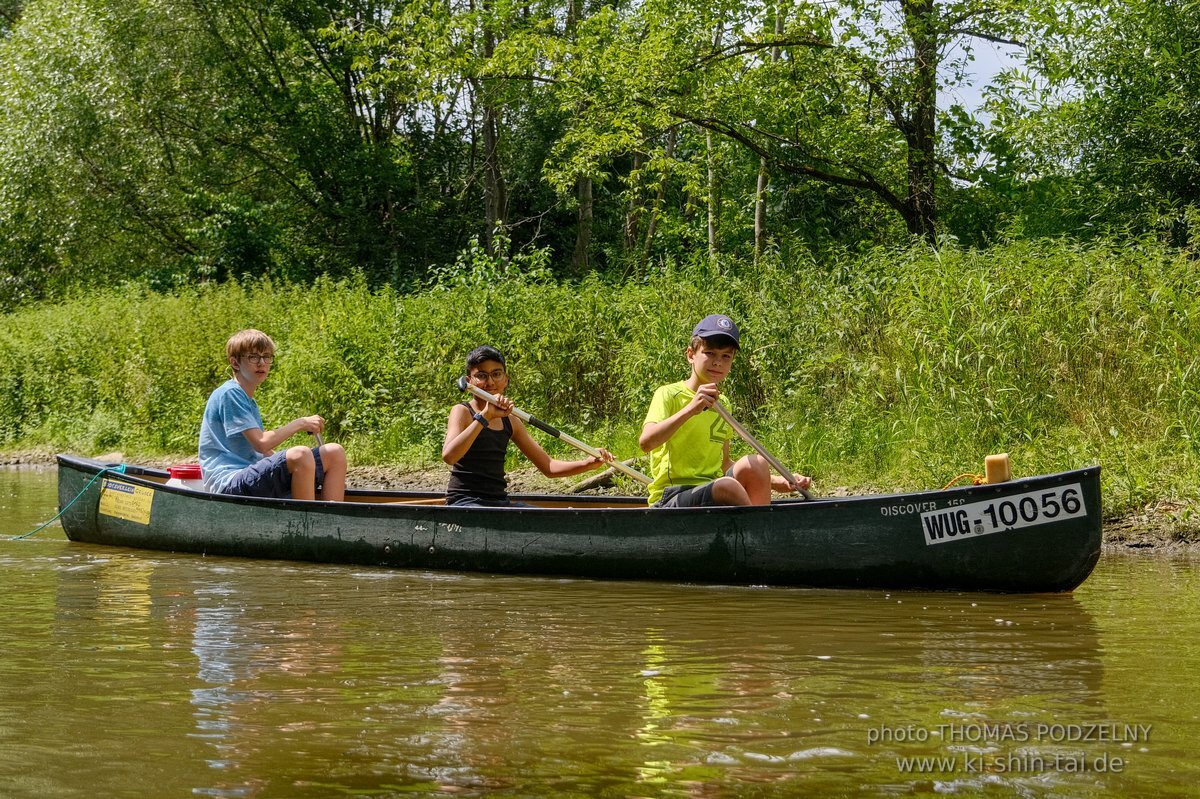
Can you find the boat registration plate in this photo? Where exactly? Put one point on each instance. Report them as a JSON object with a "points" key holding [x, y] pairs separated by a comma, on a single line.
{"points": [[125, 501], [1002, 514]]}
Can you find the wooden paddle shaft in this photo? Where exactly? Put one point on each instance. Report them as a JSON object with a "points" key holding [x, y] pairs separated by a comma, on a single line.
{"points": [[753, 442], [554, 431]]}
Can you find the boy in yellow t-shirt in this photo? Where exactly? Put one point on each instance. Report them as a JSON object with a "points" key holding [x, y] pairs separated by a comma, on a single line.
{"points": [[688, 442]]}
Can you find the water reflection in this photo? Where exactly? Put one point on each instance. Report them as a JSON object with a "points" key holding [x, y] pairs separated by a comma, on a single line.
{"points": [[229, 678], [222, 664], [123, 592], [28, 496]]}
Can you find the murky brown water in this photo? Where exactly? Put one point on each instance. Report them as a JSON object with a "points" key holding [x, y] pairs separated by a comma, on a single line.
{"points": [[144, 674]]}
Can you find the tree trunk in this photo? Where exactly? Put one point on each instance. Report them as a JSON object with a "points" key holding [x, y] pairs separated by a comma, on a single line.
{"points": [[633, 216], [494, 190], [713, 200], [760, 192], [921, 22], [574, 13], [652, 224], [583, 227], [760, 211]]}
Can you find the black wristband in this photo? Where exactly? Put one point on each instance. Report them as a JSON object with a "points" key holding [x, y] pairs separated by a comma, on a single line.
{"points": [[479, 417]]}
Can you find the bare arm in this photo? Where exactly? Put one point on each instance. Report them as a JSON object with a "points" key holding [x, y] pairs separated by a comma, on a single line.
{"points": [[780, 483], [552, 467], [462, 429], [265, 441], [461, 432]]}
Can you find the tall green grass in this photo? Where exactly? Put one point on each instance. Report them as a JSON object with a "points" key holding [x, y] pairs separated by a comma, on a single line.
{"points": [[897, 369]]}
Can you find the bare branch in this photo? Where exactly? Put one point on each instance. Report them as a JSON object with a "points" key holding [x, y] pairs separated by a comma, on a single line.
{"points": [[746, 46], [987, 37], [864, 179]]}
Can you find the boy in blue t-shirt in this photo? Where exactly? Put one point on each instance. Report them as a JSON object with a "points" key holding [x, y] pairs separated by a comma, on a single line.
{"points": [[237, 455]]}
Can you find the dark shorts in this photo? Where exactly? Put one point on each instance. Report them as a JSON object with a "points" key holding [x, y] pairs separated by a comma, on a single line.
{"points": [[686, 496], [480, 502], [270, 477]]}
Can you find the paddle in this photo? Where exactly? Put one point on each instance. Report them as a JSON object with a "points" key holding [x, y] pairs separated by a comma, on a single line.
{"points": [[759, 448], [463, 385]]}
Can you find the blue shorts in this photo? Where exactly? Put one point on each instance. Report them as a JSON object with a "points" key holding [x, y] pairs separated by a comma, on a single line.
{"points": [[270, 477]]}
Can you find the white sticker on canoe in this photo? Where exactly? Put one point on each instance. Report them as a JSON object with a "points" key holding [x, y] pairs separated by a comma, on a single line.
{"points": [[1003, 513]]}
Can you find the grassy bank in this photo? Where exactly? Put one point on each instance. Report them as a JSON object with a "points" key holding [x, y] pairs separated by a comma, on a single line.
{"points": [[898, 369]]}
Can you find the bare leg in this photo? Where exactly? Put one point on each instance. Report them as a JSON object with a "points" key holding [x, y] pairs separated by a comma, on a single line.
{"points": [[303, 468], [754, 473], [333, 458], [728, 491]]}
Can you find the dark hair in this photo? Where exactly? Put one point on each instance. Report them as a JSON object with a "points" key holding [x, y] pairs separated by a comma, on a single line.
{"points": [[481, 354], [719, 342]]}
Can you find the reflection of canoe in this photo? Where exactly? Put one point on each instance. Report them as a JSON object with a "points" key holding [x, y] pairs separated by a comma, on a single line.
{"points": [[1033, 534]]}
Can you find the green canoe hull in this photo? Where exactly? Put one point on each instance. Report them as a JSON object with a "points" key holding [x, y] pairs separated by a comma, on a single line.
{"points": [[1028, 535]]}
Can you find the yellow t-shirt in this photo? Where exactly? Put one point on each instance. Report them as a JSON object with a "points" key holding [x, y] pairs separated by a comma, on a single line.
{"points": [[695, 455]]}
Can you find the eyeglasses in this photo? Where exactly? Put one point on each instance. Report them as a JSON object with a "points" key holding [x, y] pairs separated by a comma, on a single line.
{"points": [[495, 374], [256, 358]]}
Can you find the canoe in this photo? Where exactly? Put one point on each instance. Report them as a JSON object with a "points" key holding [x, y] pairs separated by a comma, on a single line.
{"points": [[1025, 535]]}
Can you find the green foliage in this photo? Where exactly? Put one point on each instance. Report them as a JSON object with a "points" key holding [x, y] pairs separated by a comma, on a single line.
{"points": [[475, 267], [173, 143], [161, 144], [1140, 72], [1098, 136], [894, 369]]}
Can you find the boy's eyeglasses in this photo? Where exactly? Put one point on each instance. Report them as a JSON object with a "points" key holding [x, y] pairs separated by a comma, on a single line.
{"points": [[259, 358], [495, 374]]}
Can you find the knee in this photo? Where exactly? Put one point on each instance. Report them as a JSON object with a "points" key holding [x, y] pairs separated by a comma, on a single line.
{"points": [[753, 464], [333, 455], [300, 458], [759, 463]]}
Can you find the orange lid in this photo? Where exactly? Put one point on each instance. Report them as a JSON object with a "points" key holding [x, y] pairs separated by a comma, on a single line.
{"points": [[185, 471]]}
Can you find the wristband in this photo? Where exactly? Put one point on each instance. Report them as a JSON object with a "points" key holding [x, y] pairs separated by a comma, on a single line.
{"points": [[479, 417]]}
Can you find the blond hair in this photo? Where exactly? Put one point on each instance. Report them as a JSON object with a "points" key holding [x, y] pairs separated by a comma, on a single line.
{"points": [[245, 342]]}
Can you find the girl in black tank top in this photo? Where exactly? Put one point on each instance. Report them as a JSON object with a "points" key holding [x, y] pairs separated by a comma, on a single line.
{"points": [[477, 436]]}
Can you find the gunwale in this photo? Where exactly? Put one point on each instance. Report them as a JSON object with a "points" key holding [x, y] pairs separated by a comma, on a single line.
{"points": [[851, 542]]}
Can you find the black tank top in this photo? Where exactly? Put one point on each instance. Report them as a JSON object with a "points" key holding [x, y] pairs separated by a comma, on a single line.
{"points": [[480, 472]]}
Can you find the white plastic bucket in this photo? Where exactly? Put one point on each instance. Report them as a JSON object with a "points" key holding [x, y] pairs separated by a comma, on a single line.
{"points": [[185, 475]]}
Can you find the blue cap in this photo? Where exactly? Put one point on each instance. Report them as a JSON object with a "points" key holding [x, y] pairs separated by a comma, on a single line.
{"points": [[715, 326]]}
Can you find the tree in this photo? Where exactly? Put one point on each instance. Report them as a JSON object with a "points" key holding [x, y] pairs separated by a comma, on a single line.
{"points": [[217, 138], [853, 102], [77, 191], [1134, 68]]}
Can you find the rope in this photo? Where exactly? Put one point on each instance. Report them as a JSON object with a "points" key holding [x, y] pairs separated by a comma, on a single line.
{"points": [[976, 480], [118, 469]]}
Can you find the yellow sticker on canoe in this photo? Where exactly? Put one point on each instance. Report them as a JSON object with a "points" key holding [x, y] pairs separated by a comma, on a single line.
{"points": [[126, 501]]}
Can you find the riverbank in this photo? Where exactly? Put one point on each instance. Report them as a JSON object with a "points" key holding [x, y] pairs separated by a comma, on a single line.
{"points": [[873, 371], [1164, 527]]}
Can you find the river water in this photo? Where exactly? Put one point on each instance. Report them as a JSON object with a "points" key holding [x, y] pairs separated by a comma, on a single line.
{"points": [[146, 674]]}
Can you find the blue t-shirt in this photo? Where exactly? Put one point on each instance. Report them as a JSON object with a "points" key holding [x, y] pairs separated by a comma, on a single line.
{"points": [[224, 451]]}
